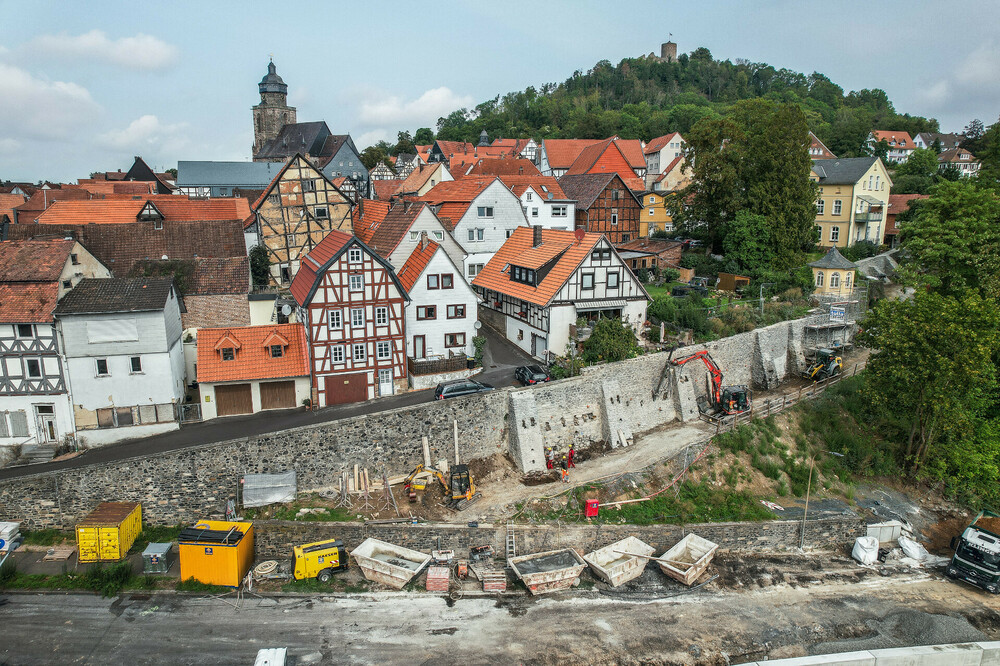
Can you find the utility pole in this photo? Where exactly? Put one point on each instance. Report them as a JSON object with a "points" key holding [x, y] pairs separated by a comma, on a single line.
{"points": [[805, 513], [763, 284]]}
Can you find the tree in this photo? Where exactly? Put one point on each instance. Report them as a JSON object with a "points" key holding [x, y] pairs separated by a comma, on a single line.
{"points": [[372, 155], [973, 134], [260, 266], [748, 242], [921, 162], [424, 136], [611, 340], [404, 144], [880, 149], [988, 153]]}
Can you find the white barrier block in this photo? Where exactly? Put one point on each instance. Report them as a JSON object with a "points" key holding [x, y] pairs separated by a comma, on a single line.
{"points": [[991, 653], [958, 654]]}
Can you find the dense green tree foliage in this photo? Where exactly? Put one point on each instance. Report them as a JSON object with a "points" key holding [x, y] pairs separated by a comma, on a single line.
{"points": [[611, 340]]}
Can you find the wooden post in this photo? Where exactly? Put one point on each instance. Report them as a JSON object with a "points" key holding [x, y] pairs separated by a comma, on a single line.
{"points": [[455, 423], [805, 512], [427, 451]]}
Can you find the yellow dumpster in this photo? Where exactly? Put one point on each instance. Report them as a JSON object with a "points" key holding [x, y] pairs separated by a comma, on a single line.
{"points": [[109, 531], [216, 552]]}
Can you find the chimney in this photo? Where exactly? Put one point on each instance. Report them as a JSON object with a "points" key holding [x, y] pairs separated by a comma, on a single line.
{"points": [[536, 236], [520, 171], [423, 240]]}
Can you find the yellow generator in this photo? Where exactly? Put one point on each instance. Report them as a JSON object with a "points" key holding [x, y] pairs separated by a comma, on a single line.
{"points": [[319, 560]]}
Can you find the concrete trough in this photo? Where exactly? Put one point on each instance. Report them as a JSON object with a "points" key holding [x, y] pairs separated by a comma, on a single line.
{"points": [[549, 571], [688, 559], [616, 564], [389, 564]]}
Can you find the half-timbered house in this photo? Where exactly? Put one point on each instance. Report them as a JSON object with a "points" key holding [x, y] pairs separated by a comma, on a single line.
{"points": [[352, 304], [394, 231], [604, 205], [35, 405], [296, 211], [542, 280], [382, 171]]}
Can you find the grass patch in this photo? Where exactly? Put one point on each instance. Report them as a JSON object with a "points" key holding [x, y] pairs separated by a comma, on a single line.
{"points": [[106, 580], [155, 534], [47, 537], [192, 585], [694, 503]]}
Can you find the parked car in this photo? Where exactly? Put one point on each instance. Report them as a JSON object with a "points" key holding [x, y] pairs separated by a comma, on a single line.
{"points": [[531, 374], [460, 387]]}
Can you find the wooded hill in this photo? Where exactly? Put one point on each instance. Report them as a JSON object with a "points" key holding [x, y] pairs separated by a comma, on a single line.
{"points": [[642, 98]]}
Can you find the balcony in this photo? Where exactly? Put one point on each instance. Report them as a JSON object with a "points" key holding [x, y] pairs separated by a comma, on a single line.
{"points": [[870, 216]]}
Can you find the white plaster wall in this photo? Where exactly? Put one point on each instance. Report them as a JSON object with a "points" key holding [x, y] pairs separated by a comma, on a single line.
{"points": [[539, 201], [159, 382], [434, 330], [427, 221], [507, 215], [191, 357], [561, 317], [61, 407], [207, 390], [514, 325], [260, 312]]}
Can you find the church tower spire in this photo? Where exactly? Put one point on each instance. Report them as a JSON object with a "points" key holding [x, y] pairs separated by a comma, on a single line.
{"points": [[273, 112]]}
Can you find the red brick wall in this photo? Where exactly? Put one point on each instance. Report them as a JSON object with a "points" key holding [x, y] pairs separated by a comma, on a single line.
{"points": [[216, 311]]}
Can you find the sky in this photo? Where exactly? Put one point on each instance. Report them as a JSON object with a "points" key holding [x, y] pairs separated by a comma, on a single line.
{"points": [[86, 86]]}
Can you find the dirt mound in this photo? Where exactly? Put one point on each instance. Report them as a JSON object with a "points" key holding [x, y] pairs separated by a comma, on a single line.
{"points": [[938, 536]]}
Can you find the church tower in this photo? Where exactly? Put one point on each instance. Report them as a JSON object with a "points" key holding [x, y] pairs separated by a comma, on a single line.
{"points": [[273, 112]]}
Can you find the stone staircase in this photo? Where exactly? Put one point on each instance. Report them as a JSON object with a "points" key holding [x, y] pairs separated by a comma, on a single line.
{"points": [[37, 453]]}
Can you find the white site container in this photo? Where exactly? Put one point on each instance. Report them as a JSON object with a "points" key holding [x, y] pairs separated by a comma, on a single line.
{"points": [[389, 564], [688, 559], [549, 571], [615, 564]]}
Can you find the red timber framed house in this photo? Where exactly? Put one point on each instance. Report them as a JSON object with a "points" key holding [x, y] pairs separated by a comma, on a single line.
{"points": [[353, 306], [604, 205], [297, 210]]}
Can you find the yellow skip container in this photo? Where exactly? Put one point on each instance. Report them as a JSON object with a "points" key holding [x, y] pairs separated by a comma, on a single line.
{"points": [[109, 531], [216, 552]]}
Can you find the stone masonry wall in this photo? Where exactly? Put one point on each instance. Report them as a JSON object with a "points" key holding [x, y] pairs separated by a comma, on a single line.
{"points": [[274, 539]]}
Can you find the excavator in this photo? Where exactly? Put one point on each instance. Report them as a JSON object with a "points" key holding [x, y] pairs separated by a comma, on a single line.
{"points": [[826, 365], [460, 488], [724, 399]]}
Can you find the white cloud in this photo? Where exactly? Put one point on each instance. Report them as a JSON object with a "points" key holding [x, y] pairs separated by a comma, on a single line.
{"points": [[981, 68], [142, 51], [41, 109], [386, 109], [974, 82], [146, 133], [374, 136], [9, 146]]}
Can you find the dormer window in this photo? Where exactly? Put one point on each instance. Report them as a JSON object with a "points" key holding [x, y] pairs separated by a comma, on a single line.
{"points": [[522, 275], [228, 354], [277, 351]]}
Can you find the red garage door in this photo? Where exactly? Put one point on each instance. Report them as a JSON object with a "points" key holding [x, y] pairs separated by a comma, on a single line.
{"points": [[341, 389]]}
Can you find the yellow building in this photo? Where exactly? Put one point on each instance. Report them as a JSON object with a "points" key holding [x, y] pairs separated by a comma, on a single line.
{"points": [[852, 199], [833, 275], [654, 214]]}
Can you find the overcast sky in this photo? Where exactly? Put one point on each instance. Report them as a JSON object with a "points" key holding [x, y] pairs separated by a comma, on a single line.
{"points": [[84, 86]]}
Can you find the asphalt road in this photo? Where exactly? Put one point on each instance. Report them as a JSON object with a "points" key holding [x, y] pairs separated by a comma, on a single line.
{"points": [[499, 360], [401, 628]]}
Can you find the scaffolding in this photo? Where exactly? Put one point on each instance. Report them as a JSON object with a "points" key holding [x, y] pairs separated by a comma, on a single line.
{"points": [[836, 324]]}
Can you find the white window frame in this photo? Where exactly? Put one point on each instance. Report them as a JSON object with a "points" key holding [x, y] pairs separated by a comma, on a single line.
{"points": [[559, 211], [383, 351], [355, 348], [819, 278], [131, 365], [414, 235], [337, 354], [381, 316], [834, 234], [820, 207], [438, 235], [357, 317], [835, 280], [97, 368], [838, 207], [356, 282], [354, 255], [335, 319]]}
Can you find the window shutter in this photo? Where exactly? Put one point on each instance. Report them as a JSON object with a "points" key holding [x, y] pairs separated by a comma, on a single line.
{"points": [[18, 424]]}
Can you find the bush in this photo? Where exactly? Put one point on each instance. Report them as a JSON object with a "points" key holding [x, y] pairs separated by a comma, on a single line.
{"points": [[703, 264], [860, 250], [611, 341], [478, 342], [670, 275], [642, 275], [109, 581]]}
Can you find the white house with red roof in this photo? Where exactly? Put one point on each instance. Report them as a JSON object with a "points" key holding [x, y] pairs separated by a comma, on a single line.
{"points": [[394, 231], [352, 304], [543, 200], [248, 369], [901, 145], [440, 317]]}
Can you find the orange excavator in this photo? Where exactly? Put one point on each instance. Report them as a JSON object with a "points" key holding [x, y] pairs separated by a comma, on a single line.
{"points": [[724, 399]]}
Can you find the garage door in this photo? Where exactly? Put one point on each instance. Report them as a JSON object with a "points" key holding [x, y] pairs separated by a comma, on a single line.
{"points": [[233, 399], [277, 395], [341, 389]]}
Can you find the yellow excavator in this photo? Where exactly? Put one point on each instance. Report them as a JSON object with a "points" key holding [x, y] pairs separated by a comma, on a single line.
{"points": [[459, 488], [826, 365]]}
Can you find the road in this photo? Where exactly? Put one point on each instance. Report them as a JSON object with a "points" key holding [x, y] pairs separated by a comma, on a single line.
{"points": [[500, 359], [412, 628]]}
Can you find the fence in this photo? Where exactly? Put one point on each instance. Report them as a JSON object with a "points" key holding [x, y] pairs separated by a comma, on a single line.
{"points": [[769, 406], [437, 366], [189, 412]]}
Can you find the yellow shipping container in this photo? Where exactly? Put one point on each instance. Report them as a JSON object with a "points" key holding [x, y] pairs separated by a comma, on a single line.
{"points": [[109, 531], [216, 552]]}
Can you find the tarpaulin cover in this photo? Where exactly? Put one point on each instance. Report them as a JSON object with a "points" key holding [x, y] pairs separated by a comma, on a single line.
{"points": [[264, 489]]}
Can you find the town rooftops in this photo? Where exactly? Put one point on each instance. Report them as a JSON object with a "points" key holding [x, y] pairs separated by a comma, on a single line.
{"points": [[494, 166], [833, 259], [900, 140], [561, 153], [843, 170], [253, 358], [384, 236], [585, 188], [383, 189], [298, 138], [818, 149], [102, 295], [416, 263], [596, 158], [226, 174], [562, 249], [124, 209], [29, 278], [660, 142], [957, 155], [542, 185], [454, 197]]}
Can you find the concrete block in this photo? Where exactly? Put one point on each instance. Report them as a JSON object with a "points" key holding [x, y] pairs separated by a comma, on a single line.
{"points": [[957, 654], [991, 653], [617, 429], [526, 444], [862, 658]]}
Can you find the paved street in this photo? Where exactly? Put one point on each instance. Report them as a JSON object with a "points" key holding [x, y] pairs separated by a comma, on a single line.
{"points": [[584, 627], [500, 359]]}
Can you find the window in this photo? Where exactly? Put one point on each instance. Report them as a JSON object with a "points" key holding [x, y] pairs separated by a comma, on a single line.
{"points": [[308, 185], [474, 269], [587, 281], [819, 278], [334, 319], [847, 279], [228, 354], [456, 312], [871, 183], [135, 364], [359, 352], [559, 211], [102, 366], [613, 277], [447, 281], [534, 212], [476, 234], [485, 211], [337, 354], [426, 312], [25, 331], [834, 280], [321, 212], [834, 234], [438, 235], [614, 219], [602, 254], [652, 199], [433, 282], [286, 273], [75, 260], [18, 423], [820, 207], [414, 235], [837, 205], [158, 224], [273, 199], [454, 339], [354, 255], [381, 316], [382, 350], [67, 284], [651, 212], [527, 196], [508, 233], [356, 282], [616, 195], [277, 351], [34, 367], [357, 317]]}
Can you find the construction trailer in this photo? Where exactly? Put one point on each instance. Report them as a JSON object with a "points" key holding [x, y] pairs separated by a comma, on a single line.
{"points": [[107, 533], [216, 552]]}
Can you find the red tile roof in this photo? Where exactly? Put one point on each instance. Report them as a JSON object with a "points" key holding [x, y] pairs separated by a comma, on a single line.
{"points": [[309, 268], [42, 199], [454, 197], [416, 263], [102, 186], [253, 354], [34, 260], [659, 143], [504, 167], [451, 213], [493, 276], [419, 177], [28, 302], [385, 236], [632, 150], [536, 257], [606, 157], [371, 214], [818, 149], [386, 188], [126, 209], [518, 184], [7, 204], [902, 139], [561, 153]]}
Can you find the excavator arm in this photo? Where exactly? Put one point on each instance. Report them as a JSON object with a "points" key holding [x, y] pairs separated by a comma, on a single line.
{"points": [[713, 369]]}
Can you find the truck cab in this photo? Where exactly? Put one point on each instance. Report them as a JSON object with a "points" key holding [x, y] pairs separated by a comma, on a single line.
{"points": [[319, 560], [977, 554]]}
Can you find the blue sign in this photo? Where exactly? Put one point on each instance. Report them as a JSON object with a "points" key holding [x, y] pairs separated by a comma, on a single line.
{"points": [[208, 551], [837, 313], [2, 544]]}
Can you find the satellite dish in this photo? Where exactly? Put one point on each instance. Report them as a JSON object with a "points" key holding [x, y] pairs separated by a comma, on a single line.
{"points": [[580, 233], [164, 257], [286, 309], [477, 325]]}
